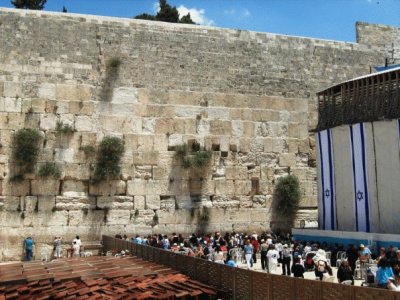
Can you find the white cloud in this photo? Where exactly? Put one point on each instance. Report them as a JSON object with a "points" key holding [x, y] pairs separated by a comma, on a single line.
{"points": [[156, 7], [197, 15], [242, 13], [246, 13]]}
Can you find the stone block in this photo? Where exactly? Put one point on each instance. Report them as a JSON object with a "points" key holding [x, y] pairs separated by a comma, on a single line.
{"points": [[224, 187], [76, 171], [30, 203], [47, 91], [1, 88], [12, 89], [48, 122], [152, 202], [84, 123], [125, 95], [73, 188], [237, 128], [145, 158], [45, 187], [115, 202], [75, 203], [259, 200], [81, 107], [287, 160], [225, 201], [13, 105], [46, 203], [64, 155], [202, 127], [16, 188], [12, 203], [242, 187], [139, 202], [108, 188], [167, 203], [148, 125]]}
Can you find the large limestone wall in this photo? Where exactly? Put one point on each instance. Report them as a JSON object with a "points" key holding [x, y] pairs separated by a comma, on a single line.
{"points": [[247, 96]]}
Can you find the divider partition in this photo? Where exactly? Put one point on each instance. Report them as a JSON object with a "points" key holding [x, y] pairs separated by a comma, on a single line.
{"points": [[243, 284]]}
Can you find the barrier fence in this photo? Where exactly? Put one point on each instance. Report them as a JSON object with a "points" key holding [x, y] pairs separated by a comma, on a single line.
{"points": [[243, 284]]}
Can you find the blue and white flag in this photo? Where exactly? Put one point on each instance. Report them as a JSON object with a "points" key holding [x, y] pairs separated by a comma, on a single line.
{"points": [[360, 177], [326, 180]]}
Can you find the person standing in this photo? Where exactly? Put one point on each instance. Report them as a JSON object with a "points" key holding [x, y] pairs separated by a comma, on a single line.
{"points": [[297, 268], [272, 256], [28, 244], [76, 249], [248, 254], [256, 246], [57, 247], [286, 260], [264, 249]]}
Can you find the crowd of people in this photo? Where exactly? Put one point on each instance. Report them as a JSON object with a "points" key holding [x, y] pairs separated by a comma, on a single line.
{"points": [[280, 254]]}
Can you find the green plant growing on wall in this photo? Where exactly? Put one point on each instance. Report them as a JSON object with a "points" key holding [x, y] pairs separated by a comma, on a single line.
{"points": [[49, 169], [111, 75], [88, 150], [204, 215], [287, 195], [64, 128], [25, 150], [192, 157], [109, 156]]}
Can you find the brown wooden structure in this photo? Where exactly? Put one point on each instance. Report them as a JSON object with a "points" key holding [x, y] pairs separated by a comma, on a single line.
{"points": [[374, 97], [245, 284]]}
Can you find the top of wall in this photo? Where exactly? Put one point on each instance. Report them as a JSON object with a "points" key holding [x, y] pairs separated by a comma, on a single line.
{"points": [[160, 55]]}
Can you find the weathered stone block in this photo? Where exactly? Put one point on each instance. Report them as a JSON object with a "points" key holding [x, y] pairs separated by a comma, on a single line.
{"points": [[30, 203], [83, 123], [224, 187], [16, 188], [75, 203], [115, 202], [225, 201], [12, 203], [47, 91], [12, 89], [48, 122], [46, 203], [13, 105], [287, 159], [139, 202], [73, 188], [108, 188], [45, 187], [125, 95], [152, 202]]}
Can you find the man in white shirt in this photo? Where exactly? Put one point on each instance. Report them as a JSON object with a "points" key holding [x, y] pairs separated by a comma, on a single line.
{"points": [[76, 249], [272, 256], [77, 240]]}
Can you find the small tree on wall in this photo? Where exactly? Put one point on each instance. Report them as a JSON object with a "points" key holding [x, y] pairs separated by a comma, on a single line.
{"points": [[29, 4], [109, 156], [26, 150], [287, 196]]}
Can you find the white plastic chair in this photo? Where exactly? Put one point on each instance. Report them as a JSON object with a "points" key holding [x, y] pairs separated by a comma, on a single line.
{"points": [[44, 254], [347, 282]]}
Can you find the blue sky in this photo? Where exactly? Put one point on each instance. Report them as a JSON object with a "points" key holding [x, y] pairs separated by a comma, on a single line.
{"points": [[326, 19]]}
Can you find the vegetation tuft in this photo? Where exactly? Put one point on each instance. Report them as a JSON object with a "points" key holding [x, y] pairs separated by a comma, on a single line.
{"points": [[287, 195], [88, 150], [25, 151], [192, 157], [204, 215], [64, 128], [49, 169], [109, 156]]}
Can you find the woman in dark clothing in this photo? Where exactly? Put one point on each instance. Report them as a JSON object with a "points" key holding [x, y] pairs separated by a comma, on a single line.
{"points": [[298, 268], [352, 256], [345, 272]]}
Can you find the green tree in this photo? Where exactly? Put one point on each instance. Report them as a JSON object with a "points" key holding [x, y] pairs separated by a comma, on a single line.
{"points": [[287, 195], [29, 4], [167, 13], [186, 19]]}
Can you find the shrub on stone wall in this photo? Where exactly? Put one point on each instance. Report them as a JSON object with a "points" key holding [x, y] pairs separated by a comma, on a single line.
{"points": [[26, 150], [109, 156], [64, 128], [49, 169], [287, 195], [192, 156]]}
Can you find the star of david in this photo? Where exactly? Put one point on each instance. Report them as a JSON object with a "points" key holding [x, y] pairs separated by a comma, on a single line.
{"points": [[360, 195], [327, 193]]}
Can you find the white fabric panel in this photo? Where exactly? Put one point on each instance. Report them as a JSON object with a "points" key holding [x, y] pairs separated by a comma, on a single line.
{"points": [[388, 174], [343, 179]]}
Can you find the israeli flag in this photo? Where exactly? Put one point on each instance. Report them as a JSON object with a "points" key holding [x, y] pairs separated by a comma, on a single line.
{"points": [[360, 177], [327, 184]]}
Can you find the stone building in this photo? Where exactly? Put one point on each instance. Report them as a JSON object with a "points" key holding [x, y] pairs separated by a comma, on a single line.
{"points": [[248, 97]]}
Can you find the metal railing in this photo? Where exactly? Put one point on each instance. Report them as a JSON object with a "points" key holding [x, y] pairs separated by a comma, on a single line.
{"points": [[244, 284]]}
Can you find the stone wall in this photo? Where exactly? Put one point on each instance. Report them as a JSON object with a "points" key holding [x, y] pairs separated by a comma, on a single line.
{"points": [[247, 96]]}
